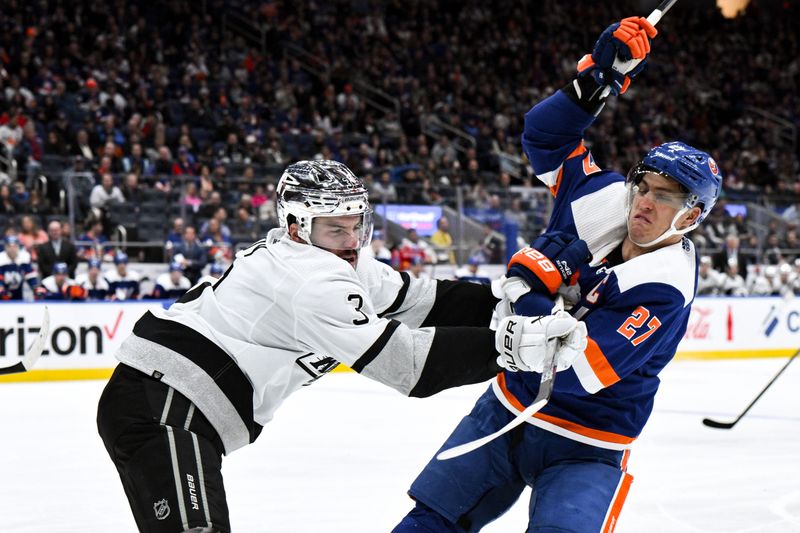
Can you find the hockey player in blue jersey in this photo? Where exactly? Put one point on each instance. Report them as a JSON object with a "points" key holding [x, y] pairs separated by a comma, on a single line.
{"points": [[171, 285], [123, 283], [634, 297], [94, 286], [15, 270]]}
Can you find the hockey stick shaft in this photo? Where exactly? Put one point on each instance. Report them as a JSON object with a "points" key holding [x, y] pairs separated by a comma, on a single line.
{"points": [[728, 425], [623, 67], [34, 350], [542, 397]]}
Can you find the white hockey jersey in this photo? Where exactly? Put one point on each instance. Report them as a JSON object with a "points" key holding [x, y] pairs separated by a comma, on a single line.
{"points": [[286, 313]]}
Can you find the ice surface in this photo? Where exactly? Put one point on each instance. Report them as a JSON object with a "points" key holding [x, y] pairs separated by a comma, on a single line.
{"points": [[340, 454]]}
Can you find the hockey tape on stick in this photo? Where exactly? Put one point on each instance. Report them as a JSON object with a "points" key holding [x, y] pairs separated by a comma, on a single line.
{"points": [[545, 390], [728, 425], [623, 67], [34, 350]]}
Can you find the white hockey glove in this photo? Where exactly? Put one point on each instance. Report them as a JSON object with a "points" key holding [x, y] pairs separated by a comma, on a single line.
{"points": [[522, 341], [509, 290]]}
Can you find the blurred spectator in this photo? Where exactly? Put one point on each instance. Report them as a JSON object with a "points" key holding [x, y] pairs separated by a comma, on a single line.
{"points": [[244, 227], [59, 285], [413, 246], [210, 207], [123, 283], [708, 279], [442, 242], [732, 283], [175, 234], [191, 254], [15, 270], [383, 191], [31, 235], [785, 282], [20, 197], [172, 284], [58, 249], [131, 190], [38, 204], [473, 272], [82, 146], [416, 268], [214, 273], [94, 285], [491, 246], [220, 214], [7, 207], [91, 243], [190, 197], [377, 248], [731, 251], [761, 280], [137, 162], [185, 164], [218, 244], [105, 193]]}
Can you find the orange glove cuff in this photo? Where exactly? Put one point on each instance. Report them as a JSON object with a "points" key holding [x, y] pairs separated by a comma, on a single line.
{"points": [[540, 266]]}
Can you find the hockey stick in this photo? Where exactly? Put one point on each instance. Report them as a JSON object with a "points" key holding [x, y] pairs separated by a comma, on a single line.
{"points": [[623, 67], [545, 390], [34, 350], [728, 425]]}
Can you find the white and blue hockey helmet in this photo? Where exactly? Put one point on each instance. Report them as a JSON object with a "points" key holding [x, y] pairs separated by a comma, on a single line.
{"points": [[308, 190], [694, 169], [697, 173]]}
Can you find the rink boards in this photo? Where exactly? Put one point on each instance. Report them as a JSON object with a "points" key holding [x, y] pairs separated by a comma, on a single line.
{"points": [[84, 336]]}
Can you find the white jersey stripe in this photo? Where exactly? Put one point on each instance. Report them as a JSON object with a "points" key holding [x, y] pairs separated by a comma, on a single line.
{"points": [[201, 478], [173, 451]]}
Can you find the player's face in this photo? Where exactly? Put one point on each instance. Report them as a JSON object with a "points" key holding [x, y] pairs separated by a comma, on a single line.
{"points": [[656, 200], [339, 235]]}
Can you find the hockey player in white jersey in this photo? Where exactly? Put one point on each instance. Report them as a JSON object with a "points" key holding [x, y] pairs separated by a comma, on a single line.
{"points": [[202, 378]]}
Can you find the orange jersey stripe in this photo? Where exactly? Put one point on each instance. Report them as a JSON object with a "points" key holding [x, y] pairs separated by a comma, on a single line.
{"points": [[596, 434], [579, 150], [617, 503], [600, 365]]}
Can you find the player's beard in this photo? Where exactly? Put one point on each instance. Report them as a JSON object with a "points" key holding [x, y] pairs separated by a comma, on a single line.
{"points": [[351, 256]]}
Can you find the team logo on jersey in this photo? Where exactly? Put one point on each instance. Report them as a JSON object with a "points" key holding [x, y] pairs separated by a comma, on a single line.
{"points": [[316, 365], [161, 509], [712, 165]]}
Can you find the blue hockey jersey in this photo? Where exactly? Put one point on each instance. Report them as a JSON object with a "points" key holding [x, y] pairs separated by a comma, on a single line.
{"points": [[14, 273], [635, 311]]}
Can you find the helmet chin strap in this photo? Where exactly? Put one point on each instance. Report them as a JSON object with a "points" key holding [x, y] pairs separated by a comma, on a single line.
{"points": [[667, 234]]}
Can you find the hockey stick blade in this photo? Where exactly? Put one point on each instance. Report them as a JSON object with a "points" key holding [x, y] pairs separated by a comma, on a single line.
{"points": [[543, 396], [718, 425], [728, 425], [34, 350]]}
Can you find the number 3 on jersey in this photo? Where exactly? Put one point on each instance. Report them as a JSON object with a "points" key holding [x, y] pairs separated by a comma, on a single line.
{"points": [[359, 304], [633, 323]]}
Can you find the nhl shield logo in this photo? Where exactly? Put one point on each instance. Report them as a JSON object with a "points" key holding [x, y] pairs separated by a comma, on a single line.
{"points": [[162, 509]]}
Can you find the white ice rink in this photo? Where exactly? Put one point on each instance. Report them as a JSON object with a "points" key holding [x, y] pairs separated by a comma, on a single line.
{"points": [[340, 455]]}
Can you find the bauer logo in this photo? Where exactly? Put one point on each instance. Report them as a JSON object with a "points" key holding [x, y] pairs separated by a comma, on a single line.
{"points": [[161, 509]]}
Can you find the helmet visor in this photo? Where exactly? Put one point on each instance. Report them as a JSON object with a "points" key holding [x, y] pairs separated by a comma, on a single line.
{"points": [[637, 186], [342, 232]]}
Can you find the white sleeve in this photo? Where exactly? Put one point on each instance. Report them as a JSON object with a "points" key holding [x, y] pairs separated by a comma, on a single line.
{"points": [[396, 294]]}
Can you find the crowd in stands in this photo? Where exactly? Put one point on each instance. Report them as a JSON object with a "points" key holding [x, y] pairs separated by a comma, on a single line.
{"points": [[175, 127]]}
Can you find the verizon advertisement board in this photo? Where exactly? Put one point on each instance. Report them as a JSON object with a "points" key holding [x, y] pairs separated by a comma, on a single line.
{"points": [[86, 335], [82, 335]]}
